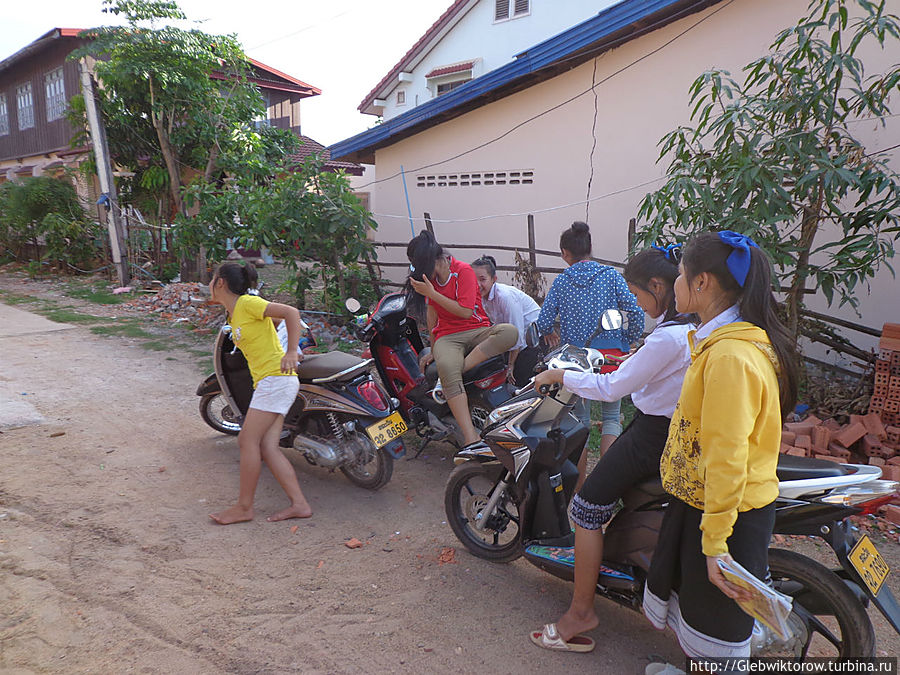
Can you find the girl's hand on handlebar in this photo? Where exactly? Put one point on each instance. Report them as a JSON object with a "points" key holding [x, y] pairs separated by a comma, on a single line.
{"points": [[289, 362], [552, 339], [548, 378]]}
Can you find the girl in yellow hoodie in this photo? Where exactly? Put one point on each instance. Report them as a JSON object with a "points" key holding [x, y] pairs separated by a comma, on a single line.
{"points": [[720, 457]]}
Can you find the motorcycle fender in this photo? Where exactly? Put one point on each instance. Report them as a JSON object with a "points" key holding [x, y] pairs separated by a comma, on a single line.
{"points": [[209, 386], [395, 448], [842, 542], [497, 396]]}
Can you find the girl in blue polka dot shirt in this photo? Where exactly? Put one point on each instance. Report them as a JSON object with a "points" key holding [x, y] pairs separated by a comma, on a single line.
{"points": [[578, 297]]}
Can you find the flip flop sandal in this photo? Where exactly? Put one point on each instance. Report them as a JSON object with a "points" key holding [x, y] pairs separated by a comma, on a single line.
{"points": [[549, 638]]}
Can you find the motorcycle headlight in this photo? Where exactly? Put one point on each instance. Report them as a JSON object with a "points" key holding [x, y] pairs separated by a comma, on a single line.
{"points": [[509, 410]]}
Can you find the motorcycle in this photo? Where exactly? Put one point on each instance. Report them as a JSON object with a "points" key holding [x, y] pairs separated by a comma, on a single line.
{"points": [[395, 346], [513, 501], [342, 419]]}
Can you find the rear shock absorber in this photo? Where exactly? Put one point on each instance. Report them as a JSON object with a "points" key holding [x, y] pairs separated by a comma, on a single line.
{"points": [[336, 427]]}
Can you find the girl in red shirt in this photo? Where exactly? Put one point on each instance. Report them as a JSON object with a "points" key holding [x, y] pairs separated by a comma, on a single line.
{"points": [[461, 334]]}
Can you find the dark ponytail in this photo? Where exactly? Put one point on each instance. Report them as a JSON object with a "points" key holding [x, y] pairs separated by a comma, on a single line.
{"points": [[577, 240], [239, 278], [422, 252], [489, 263], [706, 252], [656, 264]]}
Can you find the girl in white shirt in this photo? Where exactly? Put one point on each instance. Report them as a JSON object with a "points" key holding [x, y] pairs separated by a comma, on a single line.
{"points": [[653, 377], [507, 304]]}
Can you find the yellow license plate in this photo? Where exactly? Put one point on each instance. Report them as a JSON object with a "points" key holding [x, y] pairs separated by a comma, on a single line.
{"points": [[386, 430], [866, 560]]}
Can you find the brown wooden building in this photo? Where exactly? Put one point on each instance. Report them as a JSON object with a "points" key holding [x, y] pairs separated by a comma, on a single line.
{"points": [[37, 82]]}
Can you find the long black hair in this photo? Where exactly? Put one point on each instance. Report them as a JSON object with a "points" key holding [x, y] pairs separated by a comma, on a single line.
{"points": [[423, 252], [706, 252], [239, 278], [662, 265], [577, 240]]}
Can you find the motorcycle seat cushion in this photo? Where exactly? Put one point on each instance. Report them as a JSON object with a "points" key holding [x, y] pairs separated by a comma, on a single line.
{"points": [[314, 366], [479, 372], [804, 468]]}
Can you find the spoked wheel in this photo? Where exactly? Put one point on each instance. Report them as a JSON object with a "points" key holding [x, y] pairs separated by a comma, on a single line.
{"points": [[827, 618], [373, 468], [467, 494], [217, 413]]}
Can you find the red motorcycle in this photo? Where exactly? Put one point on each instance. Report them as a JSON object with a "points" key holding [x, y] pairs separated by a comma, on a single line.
{"points": [[395, 346]]}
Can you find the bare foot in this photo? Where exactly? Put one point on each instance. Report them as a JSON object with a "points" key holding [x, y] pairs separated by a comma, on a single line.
{"points": [[235, 514], [302, 510], [571, 624]]}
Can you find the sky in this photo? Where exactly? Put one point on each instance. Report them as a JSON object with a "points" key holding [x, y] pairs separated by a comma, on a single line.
{"points": [[343, 47]]}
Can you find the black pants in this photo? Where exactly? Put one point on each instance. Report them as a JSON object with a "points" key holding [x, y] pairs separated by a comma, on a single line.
{"points": [[632, 458]]}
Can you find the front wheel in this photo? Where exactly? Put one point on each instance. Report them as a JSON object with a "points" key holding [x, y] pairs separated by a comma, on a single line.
{"points": [[468, 491], [372, 468], [217, 413], [827, 618]]}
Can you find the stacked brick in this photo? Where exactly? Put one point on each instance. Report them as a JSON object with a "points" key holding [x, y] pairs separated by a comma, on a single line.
{"points": [[867, 439]]}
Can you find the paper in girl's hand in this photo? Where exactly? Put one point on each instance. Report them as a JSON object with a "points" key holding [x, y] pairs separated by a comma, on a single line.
{"points": [[767, 605]]}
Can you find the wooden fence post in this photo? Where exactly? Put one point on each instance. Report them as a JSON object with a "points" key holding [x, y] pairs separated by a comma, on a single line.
{"points": [[632, 226], [532, 256], [428, 224]]}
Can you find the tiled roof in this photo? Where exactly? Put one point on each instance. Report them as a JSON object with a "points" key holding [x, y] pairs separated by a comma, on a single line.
{"points": [[449, 70], [445, 18], [612, 27], [311, 147]]}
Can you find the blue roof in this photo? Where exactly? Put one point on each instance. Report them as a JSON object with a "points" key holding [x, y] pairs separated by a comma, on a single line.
{"points": [[587, 37]]}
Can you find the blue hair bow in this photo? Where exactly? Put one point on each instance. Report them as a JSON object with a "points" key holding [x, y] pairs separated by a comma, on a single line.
{"points": [[671, 252], [738, 260]]}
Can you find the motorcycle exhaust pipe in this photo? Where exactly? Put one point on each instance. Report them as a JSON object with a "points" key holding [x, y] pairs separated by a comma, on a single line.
{"points": [[319, 453]]}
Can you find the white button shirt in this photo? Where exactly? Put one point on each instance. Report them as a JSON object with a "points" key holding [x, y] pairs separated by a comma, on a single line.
{"points": [[653, 375], [508, 304]]}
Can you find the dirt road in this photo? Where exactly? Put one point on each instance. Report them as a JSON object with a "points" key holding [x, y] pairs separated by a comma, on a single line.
{"points": [[108, 562]]}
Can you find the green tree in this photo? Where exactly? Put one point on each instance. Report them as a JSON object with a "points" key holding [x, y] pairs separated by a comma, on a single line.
{"points": [[774, 156], [308, 218], [179, 100]]}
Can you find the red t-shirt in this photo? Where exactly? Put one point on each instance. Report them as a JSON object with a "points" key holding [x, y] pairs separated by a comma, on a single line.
{"points": [[462, 286]]}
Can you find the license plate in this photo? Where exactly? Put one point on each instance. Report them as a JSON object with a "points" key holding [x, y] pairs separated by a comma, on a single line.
{"points": [[386, 430], [866, 560]]}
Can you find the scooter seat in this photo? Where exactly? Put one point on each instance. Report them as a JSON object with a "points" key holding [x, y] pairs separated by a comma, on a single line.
{"points": [[791, 467], [333, 365], [479, 372]]}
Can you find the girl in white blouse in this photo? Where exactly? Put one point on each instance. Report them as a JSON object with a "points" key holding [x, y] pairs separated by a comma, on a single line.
{"points": [[507, 304], [653, 377]]}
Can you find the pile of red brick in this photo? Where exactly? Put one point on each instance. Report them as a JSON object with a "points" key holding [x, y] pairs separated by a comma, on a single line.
{"points": [[867, 439]]}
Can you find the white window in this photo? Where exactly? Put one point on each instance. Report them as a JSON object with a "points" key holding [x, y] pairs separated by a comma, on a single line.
{"points": [[4, 116], [450, 86], [509, 9], [55, 87], [401, 98], [25, 106]]}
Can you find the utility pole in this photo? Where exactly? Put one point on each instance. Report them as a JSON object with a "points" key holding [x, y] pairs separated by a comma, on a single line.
{"points": [[104, 173]]}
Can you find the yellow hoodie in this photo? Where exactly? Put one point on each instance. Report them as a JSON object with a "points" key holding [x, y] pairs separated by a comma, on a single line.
{"points": [[725, 434]]}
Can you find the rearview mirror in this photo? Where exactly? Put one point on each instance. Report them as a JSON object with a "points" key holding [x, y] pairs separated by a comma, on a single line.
{"points": [[352, 305], [613, 319]]}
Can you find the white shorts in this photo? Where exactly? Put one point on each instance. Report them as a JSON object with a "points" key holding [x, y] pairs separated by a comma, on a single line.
{"points": [[275, 393]]}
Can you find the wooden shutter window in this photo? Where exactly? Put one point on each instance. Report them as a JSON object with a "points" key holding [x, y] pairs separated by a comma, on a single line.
{"points": [[521, 7], [501, 10]]}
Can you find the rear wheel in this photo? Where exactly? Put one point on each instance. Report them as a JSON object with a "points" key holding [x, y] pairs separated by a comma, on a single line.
{"points": [[217, 413], [468, 491], [827, 618], [373, 468]]}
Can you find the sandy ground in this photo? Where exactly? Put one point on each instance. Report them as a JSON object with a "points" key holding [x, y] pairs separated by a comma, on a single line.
{"points": [[109, 563]]}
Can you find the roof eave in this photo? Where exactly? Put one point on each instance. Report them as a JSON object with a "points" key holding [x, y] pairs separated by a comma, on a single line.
{"points": [[626, 21]]}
